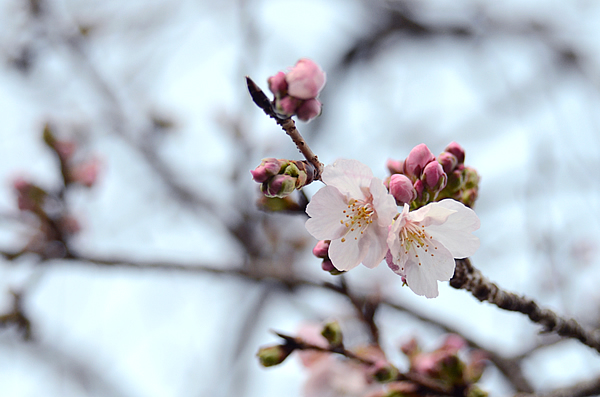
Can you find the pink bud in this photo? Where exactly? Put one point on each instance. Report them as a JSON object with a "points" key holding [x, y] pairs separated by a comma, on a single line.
{"points": [[448, 161], [457, 151], [321, 249], [327, 265], [86, 173], [64, 149], [279, 186], [410, 348], [287, 106], [419, 188], [402, 189], [417, 159], [434, 176], [268, 167], [305, 80], [453, 344], [395, 166], [309, 110], [277, 84]]}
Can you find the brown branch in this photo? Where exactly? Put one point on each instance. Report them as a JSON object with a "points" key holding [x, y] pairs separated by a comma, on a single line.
{"points": [[430, 385], [288, 125], [469, 278]]}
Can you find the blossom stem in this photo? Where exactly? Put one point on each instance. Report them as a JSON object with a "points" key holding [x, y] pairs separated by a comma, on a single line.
{"points": [[287, 124], [467, 277]]}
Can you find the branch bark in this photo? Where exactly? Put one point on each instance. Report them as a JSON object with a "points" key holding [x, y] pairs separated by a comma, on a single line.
{"points": [[467, 277]]}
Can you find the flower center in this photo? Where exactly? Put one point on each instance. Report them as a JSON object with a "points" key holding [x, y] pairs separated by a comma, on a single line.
{"points": [[357, 217], [414, 236]]}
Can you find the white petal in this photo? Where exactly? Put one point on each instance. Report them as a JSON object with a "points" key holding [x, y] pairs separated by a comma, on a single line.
{"points": [[375, 237], [431, 214], [384, 203], [326, 210], [455, 233], [346, 255], [423, 272], [348, 176]]}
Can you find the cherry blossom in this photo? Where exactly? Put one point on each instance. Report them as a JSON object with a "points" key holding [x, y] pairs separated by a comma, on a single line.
{"points": [[354, 211], [424, 243]]}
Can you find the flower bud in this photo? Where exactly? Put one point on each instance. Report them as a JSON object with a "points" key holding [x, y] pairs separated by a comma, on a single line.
{"points": [[333, 333], [279, 186], [309, 110], [268, 167], [448, 161], [417, 159], [402, 189], [278, 84], [434, 176], [287, 106], [410, 348], [305, 80], [453, 343], [85, 173], [273, 355], [327, 265], [422, 195], [457, 151], [395, 166], [384, 372], [321, 249]]}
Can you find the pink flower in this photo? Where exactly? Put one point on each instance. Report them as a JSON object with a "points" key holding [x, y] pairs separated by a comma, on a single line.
{"points": [[305, 80], [354, 211], [424, 243]]}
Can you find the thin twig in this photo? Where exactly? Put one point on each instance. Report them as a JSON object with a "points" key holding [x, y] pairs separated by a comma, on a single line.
{"points": [[288, 125], [469, 278]]}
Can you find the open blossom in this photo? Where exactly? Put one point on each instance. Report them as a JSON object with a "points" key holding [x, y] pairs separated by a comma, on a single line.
{"points": [[424, 243], [354, 211]]}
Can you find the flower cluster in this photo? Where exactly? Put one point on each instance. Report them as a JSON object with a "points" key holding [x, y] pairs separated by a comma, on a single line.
{"points": [[54, 225], [359, 216], [279, 178], [421, 178], [444, 365], [297, 90]]}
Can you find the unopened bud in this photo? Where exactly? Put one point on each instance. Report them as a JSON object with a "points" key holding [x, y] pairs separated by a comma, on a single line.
{"points": [[448, 161], [457, 151], [402, 189], [453, 343], [333, 333], [416, 161], [327, 265], [273, 355], [268, 167], [410, 348], [395, 166], [287, 106], [305, 80], [321, 249], [385, 372], [277, 84], [309, 110], [434, 176], [86, 173], [279, 186], [422, 195]]}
